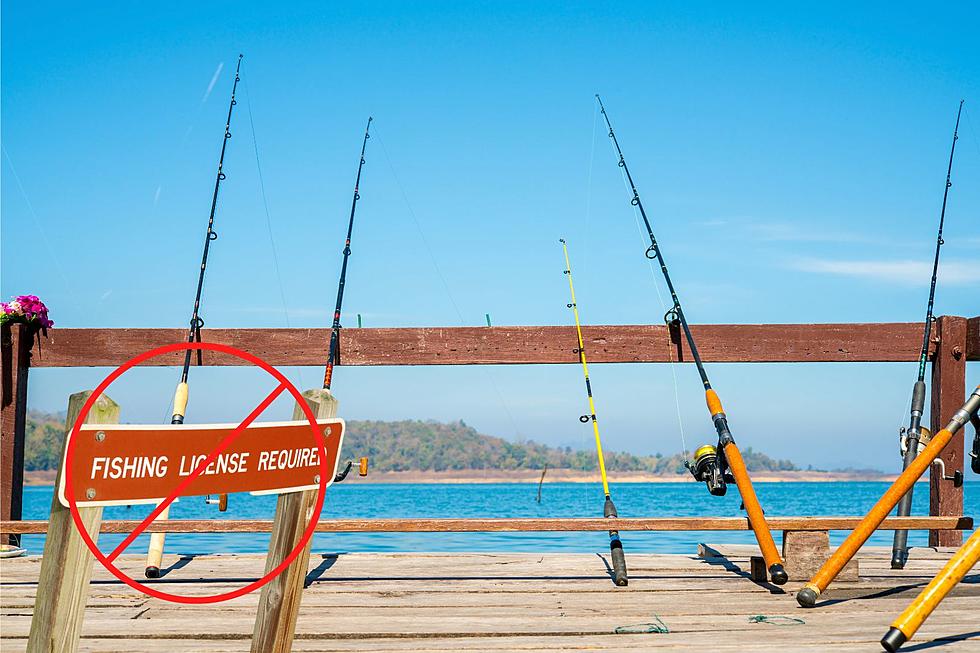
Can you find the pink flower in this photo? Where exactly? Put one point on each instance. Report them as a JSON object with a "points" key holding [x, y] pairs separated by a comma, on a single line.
{"points": [[27, 309]]}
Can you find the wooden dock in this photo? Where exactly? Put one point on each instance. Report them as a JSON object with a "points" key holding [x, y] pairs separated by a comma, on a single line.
{"points": [[506, 602]]}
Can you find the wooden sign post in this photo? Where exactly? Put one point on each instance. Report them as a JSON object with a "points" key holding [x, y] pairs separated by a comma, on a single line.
{"points": [[66, 568], [275, 622]]}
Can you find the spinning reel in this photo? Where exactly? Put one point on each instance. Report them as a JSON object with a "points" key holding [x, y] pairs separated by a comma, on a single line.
{"points": [[925, 435], [975, 454], [711, 468]]}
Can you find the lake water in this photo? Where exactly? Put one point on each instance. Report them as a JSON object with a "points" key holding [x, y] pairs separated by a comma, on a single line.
{"points": [[486, 500]]}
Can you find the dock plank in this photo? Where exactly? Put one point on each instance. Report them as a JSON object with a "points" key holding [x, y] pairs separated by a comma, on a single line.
{"points": [[501, 602]]}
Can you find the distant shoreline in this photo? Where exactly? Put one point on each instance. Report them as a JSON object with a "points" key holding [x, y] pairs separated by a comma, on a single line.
{"points": [[469, 476]]}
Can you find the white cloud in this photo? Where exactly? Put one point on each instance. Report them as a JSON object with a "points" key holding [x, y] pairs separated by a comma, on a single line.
{"points": [[792, 232], [898, 271], [786, 231], [214, 80]]}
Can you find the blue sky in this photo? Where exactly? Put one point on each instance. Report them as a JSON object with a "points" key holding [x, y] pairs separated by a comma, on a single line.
{"points": [[792, 161]]}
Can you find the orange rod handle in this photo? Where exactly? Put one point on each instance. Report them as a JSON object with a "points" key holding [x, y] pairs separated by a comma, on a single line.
{"points": [[937, 589], [714, 403], [828, 572], [757, 520]]}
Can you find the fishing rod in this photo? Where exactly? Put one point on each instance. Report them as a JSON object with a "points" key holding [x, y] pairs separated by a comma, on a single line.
{"points": [[807, 597], [334, 352], [609, 508], [911, 437], [155, 554], [958, 566], [715, 466]]}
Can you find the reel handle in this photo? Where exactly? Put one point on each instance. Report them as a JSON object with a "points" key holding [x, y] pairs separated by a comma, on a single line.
{"points": [[221, 502], [957, 476]]}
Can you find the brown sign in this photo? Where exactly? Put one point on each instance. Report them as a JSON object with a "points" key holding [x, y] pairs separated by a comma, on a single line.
{"points": [[116, 464]]}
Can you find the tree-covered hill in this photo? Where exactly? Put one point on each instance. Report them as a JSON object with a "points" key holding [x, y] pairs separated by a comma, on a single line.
{"points": [[415, 445], [45, 435]]}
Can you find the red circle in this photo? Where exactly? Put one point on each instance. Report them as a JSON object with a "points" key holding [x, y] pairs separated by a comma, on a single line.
{"points": [[73, 507]]}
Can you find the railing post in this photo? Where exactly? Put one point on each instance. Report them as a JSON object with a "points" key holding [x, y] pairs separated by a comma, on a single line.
{"points": [[275, 620], [948, 394], [66, 566], [15, 345]]}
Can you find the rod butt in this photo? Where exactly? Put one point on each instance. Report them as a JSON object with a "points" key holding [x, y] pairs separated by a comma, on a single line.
{"points": [[899, 557], [154, 556], [620, 576], [893, 640], [778, 574], [807, 597]]}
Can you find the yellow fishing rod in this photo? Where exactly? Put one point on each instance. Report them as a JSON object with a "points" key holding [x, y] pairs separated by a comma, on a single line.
{"points": [[609, 508], [807, 597], [903, 628]]}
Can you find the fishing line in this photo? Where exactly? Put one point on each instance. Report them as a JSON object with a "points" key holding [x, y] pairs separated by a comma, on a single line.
{"points": [[656, 626], [44, 236], [445, 285], [265, 204], [775, 620], [588, 185], [418, 226], [268, 216], [663, 307], [586, 493], [969, 121]]}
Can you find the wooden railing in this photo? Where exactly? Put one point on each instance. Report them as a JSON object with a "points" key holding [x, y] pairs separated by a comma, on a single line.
{"points": [[516, 524], [955, 341]]}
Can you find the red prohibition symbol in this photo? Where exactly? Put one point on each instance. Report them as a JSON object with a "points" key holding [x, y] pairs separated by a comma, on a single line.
{"points": [[107, 561]]}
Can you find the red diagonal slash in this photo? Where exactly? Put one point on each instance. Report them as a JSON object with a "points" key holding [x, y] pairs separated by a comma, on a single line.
{"points": [[143, 525]]}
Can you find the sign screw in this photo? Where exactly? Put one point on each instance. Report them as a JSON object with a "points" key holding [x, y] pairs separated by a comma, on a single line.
{"points": [[100, 436], [316, 479], [328, 430], [90, 493]]}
